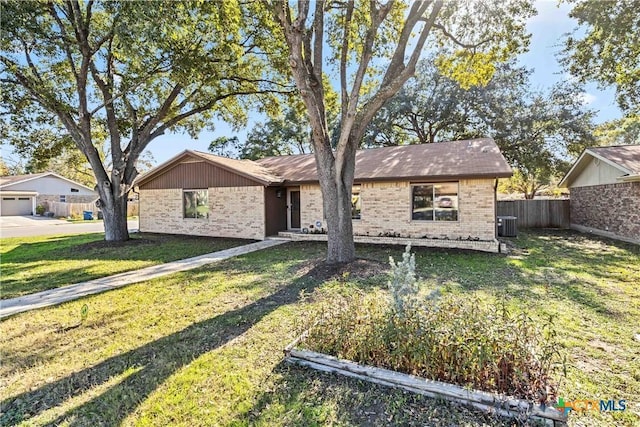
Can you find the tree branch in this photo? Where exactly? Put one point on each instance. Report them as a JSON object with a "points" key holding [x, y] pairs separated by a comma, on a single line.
{"points": [[346, 31], [455, 40], [66, 40], [30, 63]]}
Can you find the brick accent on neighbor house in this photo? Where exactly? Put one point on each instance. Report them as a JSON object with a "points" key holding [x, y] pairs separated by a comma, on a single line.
{"points": [[612, 208], [236, 212], [386, 208]]}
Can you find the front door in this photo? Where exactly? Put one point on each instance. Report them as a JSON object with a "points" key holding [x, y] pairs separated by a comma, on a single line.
{"points": [[294, 209]]}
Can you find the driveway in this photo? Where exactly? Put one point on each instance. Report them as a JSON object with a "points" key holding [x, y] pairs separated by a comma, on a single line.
{"points": [[22, 226]]}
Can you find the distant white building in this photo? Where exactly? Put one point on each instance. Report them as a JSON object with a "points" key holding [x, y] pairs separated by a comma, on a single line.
{"points": [[20, 194]]}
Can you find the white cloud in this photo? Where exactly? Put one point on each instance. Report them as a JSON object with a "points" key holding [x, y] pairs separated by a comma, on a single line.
{"points": [[587, 98]]}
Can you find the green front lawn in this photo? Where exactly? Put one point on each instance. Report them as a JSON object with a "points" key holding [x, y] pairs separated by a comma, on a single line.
{"points": [[205, 347], [33, 264]]}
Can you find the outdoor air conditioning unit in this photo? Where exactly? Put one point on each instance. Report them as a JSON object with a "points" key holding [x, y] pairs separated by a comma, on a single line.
{"points": [[507, 226]]}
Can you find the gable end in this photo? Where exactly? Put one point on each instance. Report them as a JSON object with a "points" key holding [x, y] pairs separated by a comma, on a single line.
{"points": [[196, 173]]}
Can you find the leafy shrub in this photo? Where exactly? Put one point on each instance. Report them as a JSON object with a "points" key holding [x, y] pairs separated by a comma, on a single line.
{"points": [[457, 339], [452, 339], [403, 285], [40, 210]]}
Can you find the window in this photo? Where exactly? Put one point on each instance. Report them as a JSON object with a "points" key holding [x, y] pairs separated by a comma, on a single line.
{"points": [[24, 198], [8, 198], [196, 203], [75, 190], [434, 202], [356, 206], [63, 198]]}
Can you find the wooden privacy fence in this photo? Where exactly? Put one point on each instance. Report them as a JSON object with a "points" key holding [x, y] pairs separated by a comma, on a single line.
{"points": [[537, 213], [70, 209], [61, 209]]}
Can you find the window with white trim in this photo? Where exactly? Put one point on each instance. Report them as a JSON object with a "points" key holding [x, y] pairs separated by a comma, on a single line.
{"points": [[434, 202]]}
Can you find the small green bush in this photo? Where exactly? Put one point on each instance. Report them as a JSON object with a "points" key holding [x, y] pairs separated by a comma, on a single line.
{"points": [[39, 210], [403, 285]]}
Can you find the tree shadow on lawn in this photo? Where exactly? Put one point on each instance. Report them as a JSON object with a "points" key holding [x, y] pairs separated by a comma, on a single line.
{"points": [[77, 250], [140, 247], [304, 397], [155, 362]]}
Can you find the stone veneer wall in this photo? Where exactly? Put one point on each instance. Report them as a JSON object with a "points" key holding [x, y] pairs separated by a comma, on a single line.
{"points": [[44, 199], [236, 212], [386, 208], [611, 208]]}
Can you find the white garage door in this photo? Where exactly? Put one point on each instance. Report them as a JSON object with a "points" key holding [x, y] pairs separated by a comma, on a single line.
{"points": [[16, 205]]}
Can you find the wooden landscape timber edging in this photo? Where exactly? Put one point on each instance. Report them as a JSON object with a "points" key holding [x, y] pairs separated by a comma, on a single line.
{"points": [[488, 402]]}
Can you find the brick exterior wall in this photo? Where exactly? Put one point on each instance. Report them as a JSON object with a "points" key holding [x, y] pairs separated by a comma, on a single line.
{"points": [[612, 208], [44, 199], [236, 212], [386, 208]]}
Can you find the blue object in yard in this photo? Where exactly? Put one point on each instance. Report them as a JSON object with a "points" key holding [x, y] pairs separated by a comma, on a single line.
{"points": [[88, 215]]}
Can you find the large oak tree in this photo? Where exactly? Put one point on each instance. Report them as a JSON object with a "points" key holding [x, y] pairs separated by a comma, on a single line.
{"points": [[372, 48], [537, 131], [605, 47], [125, 73]]}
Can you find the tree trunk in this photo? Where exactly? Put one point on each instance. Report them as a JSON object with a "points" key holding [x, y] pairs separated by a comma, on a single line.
{"points": [[336, 198], [115, 218], [335, 175]]}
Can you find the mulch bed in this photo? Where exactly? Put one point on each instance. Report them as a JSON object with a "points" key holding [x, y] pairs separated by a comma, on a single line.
{"points": [[360, 268]]}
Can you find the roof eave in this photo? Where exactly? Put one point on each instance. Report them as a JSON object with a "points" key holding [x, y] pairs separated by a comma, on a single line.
{"points": [[425, 178], [610, 162], [630, 178], [568, 178], [16, 192], [43, 175]]}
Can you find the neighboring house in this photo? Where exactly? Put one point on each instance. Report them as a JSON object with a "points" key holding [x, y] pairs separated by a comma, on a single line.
{"points": [[20, 194], [605, 192], [441, 191]]}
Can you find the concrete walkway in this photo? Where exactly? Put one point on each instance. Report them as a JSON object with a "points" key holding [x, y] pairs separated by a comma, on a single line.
{"points": [[67, 293]]}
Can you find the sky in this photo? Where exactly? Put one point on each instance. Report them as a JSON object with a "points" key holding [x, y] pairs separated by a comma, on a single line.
{"points": [[547, 29]]}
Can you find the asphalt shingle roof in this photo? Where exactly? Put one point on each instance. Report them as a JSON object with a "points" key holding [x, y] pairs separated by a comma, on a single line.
{"points": [[627, 156], [473, 158], [442, 160]]}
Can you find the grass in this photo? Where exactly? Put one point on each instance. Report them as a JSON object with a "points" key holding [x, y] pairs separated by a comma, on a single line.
{"points": [[33, 264], [205, 347]]}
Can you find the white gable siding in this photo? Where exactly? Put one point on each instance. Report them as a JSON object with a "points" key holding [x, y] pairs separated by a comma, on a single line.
{"points": [[597, 172], [50, 185]]}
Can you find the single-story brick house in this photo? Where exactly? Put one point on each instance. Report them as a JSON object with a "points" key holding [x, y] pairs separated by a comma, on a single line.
{"points": [[21, 194], [441, 191], [605, 192]]}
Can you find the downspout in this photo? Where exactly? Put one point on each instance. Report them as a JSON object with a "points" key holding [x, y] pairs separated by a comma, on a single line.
{"points": [[495, 214], [136, 190]]}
